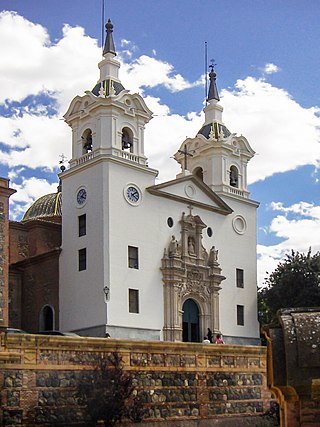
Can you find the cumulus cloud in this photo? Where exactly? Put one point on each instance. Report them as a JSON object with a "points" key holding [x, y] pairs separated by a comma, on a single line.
{"points": [[61, 69], [150, 72], [298, 228], [33, 141], [283, 133]]}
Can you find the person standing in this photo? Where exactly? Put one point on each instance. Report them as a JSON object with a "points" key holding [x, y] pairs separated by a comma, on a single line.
{"points": [[218, 339]]}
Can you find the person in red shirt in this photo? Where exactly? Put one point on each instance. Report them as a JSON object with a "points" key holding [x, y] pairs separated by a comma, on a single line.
{"points": [[218, 339]]}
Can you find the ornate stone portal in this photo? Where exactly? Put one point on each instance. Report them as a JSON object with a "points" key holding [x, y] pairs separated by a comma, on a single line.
{"points": [[189, 272]]}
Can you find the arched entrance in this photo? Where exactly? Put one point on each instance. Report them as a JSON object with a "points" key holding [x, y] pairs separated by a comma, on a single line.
{"points": [[46, 318], [190, 322]]}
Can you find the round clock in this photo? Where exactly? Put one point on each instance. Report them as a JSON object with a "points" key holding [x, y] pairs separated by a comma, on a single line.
{"points": [[132, 194], [81, 196]]}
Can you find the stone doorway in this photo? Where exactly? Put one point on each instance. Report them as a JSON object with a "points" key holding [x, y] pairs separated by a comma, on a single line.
{"points": [[190, 322]]}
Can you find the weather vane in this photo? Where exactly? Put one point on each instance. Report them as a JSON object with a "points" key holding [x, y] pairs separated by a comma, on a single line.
{"points": [[212, 64]]}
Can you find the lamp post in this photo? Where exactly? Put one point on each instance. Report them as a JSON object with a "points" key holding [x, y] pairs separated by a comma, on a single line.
{"points": [[106, 291]]}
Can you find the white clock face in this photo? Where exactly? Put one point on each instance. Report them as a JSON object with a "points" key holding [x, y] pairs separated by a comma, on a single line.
{"points": [[81, 196], [133, 194]]}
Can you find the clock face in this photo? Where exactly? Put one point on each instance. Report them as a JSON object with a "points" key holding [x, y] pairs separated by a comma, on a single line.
{"points": [[81, 196], [133, 194]]}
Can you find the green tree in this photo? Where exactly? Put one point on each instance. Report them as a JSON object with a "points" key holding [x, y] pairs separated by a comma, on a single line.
{"points": [[294, 283]]}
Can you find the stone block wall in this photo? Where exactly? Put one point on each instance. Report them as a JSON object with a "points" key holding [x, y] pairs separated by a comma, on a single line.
{"points": [[180, 382], [294, 366]]}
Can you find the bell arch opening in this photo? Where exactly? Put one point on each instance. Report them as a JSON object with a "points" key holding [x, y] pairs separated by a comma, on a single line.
{"points": [[127, 139], [234, 176], [87, 141], [198, 172]]}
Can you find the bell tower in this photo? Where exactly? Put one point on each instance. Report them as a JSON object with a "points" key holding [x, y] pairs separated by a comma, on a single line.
{"points": [[217, 156], [108, 120], [102, 194]]}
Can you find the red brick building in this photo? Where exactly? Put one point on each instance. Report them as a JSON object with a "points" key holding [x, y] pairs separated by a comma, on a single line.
{"points": [[34, 266]]}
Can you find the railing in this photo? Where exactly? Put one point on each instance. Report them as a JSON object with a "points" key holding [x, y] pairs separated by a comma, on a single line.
{"points": [[238, 192], [115, 152]]}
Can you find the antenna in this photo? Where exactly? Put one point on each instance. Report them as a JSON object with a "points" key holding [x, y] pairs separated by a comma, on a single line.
{"points": [[102, 24], [206, 71]]}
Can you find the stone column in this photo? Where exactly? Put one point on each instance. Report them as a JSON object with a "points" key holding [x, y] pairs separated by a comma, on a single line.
{"points": [[5, 193]]}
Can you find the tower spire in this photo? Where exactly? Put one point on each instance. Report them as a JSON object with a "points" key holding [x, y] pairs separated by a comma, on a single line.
{"points": [[109, 43], [213, 91]]}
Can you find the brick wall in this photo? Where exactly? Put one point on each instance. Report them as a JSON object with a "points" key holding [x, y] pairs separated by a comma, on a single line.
{"points": [[5, 193], [176, 381]]}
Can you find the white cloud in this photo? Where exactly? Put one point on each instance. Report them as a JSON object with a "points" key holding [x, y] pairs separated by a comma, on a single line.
{"points": [[271, 68], [165, 133], [283, 133], [34, 141], [150, 72], [62, 69], [298, 228]]}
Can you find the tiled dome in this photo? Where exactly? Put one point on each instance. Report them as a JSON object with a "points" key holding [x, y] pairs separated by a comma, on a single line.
{"points": [[47, 207]]}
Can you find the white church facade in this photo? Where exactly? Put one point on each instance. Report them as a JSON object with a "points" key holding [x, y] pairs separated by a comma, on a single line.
{"points": [[141, 260]]}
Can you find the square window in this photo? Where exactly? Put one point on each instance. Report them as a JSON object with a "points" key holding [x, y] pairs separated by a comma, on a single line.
{"points": [[240, 315], [82, 222], [82, 259], [133, 257], [239, 278], [133, 301]]}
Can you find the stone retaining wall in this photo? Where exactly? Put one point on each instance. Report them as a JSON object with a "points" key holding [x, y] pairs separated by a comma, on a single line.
{"points": [[176, 381]]}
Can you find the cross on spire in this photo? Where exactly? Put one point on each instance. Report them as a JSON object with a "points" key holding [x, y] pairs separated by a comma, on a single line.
{"points": [[186, 153], [212, 64], [190, 207]]}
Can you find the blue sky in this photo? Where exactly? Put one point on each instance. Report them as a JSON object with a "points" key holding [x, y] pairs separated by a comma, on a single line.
{"points": [[268, 62]]}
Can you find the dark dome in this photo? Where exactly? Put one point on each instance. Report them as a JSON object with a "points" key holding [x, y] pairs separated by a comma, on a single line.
{"points": [[47, 207], [107, 84], [206, 130]]}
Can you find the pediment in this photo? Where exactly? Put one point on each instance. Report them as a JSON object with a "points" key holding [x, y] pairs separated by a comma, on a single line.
{"points": [[190, 189], [134, 102]]}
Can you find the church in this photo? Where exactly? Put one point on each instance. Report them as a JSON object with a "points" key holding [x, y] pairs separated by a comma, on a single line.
{"points": [[114, 251]]}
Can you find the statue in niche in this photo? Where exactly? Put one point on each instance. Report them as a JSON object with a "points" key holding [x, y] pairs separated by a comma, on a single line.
{"points": [[173, 246], [213, 256], [191, 249]]}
